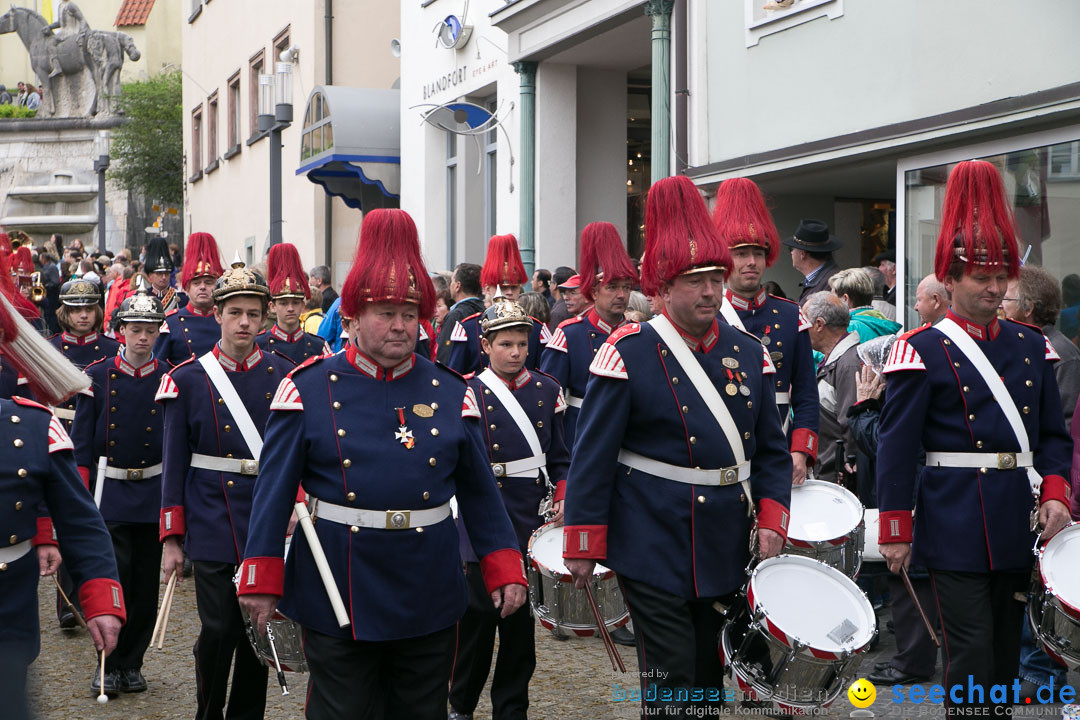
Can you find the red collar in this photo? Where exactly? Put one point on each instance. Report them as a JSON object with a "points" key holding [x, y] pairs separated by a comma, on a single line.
{"points": [[741, 303], [595, 319], [76, 340], [128, 369], [704, 344], [232, 365], [979, 332], [197, 313], [286, 337], [519, 381], [374, 370]]}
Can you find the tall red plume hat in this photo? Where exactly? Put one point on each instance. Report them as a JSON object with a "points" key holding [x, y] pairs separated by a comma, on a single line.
{"points": [[287, 276], [977, 224], [743, 220], [22, 262], [502, 265], [5, 245], [388, 266], [603, 258], [680, 238], [201, 258]]}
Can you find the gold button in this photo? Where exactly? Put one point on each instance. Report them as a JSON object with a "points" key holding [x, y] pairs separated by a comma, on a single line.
{"points": [[333, 378], [220, 401], [434, 406], [337, 405], [967, 389], [3, 567], [113, 393], [1026, 409], [749, 403], [490, 408], [779, 383], [978, 443], [1020, 335], [230, 483], [779, 343], [701, 499], [346, 463], [693, 440], [354, 529], [742, 498], [18, 442], [270, 370], [18, 504], [539, 403], [674, 381], [431, 462], [956, 364], [1028, 383], [982, 470], [149, 429], [228, 455], [486, 391], [946, 341], [775, 311], [495, 447], [539, 423], [435, 382], [426, 495], [499, 484], [419, 529], [435, 432], [746, 436], [112, 409], [154, 411], [1027, 361], [735, 348], [112, 376], [492, 426], [351, 497], [16, 419], [14, 539], [112, 426], [268, 396], [228, 428], [971, 417], [663, 353], [539, 384], [341, 432]]}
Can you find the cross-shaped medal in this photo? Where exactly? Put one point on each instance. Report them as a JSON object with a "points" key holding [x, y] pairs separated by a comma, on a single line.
{"points": [[404, 434]]}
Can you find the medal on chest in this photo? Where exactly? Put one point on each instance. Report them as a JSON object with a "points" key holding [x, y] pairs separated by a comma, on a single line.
{"points": [[404, 434]]}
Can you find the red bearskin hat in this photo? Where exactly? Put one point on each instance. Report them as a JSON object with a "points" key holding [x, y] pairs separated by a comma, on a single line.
{"points": [[502, 265], [977, 224], [680, 238], [201, 258], [603, 257], [388, 266], [22, 262], [742, 219], [287, 276], [5, 245]]}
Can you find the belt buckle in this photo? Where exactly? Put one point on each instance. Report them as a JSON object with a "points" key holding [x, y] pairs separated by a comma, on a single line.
{"points": [[397, 519], [1006, 461], [249, 467], [499, 469], [730, 476], [135, 474]]}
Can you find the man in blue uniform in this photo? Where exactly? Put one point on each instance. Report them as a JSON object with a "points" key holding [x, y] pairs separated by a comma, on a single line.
{"points": [[192, 330], [502, 274], [679, 444], [381, 440], [216, 406], [519, 410], [160, 269], [289, 293], [979, 395], [117, 419], [745, 225]]}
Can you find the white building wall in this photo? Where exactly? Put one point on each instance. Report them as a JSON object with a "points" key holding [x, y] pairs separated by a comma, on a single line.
{"points": [[557, 164], [601, 173]]}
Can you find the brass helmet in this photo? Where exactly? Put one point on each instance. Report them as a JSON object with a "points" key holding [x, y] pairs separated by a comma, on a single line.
{"points": [[80, 292], [238, 280], [504, 314], [143, 306]]}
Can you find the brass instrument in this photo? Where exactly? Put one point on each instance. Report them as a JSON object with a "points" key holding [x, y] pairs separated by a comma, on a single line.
{"points": [[37, 290]]}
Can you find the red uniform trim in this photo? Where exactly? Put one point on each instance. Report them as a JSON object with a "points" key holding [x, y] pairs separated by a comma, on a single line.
{"points": [[102, 596], [587, 542], [502, 567], [45, 534], [84, 473], [262, 576], [560, 491], [171, 522], [805, 440], [894, 526], [1055, 487], [774, 516]]}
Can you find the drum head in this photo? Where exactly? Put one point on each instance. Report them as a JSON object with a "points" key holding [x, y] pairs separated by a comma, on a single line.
{"points": [[546, 549], [822, 511], [812, 603], [1058, 565], [871, 550]]}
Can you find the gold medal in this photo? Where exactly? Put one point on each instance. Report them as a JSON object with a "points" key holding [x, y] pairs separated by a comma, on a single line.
{"points": [[730, 363], [731, 389], [421, 410]]}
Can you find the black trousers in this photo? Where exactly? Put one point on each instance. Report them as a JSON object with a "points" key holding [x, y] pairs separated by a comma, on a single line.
{"points": [[677, 647], [391, 680], [980, 619], [68, 586], [15, 658], [475, 642], [915, 651], [138, 560], [221, 638]]}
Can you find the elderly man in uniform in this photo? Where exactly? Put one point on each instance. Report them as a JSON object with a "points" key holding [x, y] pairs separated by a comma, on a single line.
{"points": [[979, 394], [676, 410], [193, 330], [812, 248], [216, 406], [289, 293], [745, 225]]}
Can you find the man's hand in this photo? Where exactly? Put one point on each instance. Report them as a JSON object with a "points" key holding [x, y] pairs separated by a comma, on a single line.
{"points": [[292, 524], [896, 555], [557, 509], [509, 598], [48, 559], [798, 467], [770, 543], [104, 629], [1053, 516], [260, 609], [172, 558], [868, 384], [581, 569]]}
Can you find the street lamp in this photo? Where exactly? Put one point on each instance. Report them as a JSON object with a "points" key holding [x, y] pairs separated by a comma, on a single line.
{"points": [[101, 164], [275, 115]]}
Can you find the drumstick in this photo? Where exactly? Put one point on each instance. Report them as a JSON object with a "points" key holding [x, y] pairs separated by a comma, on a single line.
{"points": [[918, 606], [609, 645], [71, 606], [161, 611], [165, 618], [102, 697]]}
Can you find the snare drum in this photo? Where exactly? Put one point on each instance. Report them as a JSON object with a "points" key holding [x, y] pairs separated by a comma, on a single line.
{"points": [[558, 605], [798, 635], [1054, 607], [871, 550], [288, 637], [827, 525]]}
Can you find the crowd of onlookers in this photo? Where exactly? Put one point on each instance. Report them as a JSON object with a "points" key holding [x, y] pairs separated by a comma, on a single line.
{"points": [[26, 94]]}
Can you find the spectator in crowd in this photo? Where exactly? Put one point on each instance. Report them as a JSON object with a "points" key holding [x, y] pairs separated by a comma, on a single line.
{"points": [[878, 279], [1070, 314], [773, 288], [313, 315], [576, 303], [541, 283], [330, 328], [812, 248], [443, 301], [886, 263], [50, 279], [536, 305], [467, 300], [5, 96], [638, 308], [319, 279], [558, 310], [20, 98], [855, 288], [33, 98], [931, 299]]}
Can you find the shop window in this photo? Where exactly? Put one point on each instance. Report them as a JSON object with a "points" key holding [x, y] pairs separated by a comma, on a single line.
{"points": [[211, 132], [255, 68], [196, 144], [234, 115]]}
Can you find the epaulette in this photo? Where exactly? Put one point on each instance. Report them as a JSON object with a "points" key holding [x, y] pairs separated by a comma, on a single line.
{"points": [[1036, 328], [787, 300], [545, 375], [98, 362], [53, 337], [470, 317], [450, 370], [179, 365], [571, 321], [283, 357], [172, 312], [912, 332], [625, 331], [307, 363], [469, 376], [749, 334], [26, 402]]}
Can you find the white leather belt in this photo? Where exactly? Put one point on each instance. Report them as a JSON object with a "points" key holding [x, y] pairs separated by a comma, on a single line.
{"points": [[574, 401], [783, 398], [690, 476], [64, 413], [378, 519], [997, 461], [220, 464], [520, 468], [146, 473], [14, 552]]}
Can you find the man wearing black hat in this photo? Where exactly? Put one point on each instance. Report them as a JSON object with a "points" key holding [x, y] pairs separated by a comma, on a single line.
{"points": [[886, 263], [159, 269], [812, 247]]}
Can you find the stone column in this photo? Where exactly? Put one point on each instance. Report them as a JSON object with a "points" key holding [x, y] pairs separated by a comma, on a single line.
{"points": [[660, 11], [527, 222]]}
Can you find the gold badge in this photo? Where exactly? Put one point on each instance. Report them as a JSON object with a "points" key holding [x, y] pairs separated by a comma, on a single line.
{"points": [[776, 355], [730, 363], [730, 389], [421, 410]]}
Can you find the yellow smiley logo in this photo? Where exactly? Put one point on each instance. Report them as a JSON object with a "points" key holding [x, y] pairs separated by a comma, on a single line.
{"points": [[862, 693]]}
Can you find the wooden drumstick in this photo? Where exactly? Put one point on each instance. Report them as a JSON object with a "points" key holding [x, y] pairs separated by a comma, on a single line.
{"points": [[71, 606], [161, 611], [918, 606], [102, 697], [167, 605], [609, 644]]}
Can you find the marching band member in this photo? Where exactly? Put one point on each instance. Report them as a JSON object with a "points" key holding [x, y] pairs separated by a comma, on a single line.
{"points": [[519, 411], [289, 293], [159, 268], [503, 274], [216, 406], [192, 330], [117, 418], [381, 440], [745, 225], [675, 411], [978, 393]]}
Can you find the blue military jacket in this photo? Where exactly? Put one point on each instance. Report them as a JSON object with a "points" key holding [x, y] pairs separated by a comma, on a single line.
{"points": [[186, 333], [81, 351], [297, 346], [567, 358], [687, 540], [39, 470], [466, 355], [208, 508], [968, 519], [117, 418], [336, 426]]}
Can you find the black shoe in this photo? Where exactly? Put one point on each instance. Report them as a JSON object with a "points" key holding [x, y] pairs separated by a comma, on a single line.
{"points": [[130, 681], [455, 715], [110, 683], [622, 636], [188, 570], [881, 665], [892, 676], [68, 621], [1029, 692]]}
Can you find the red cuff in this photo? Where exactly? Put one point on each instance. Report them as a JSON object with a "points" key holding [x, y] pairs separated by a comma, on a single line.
{"points": [[773, 516], [102, 596], [1055, 487], [805, 441], [502, 567], [262, 576], [46, 535], [84, 473], [894, 526], [588, 542], [172, 522], [560, 491]]}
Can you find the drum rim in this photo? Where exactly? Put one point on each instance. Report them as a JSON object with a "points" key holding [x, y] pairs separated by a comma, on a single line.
{"points": [[832, 488], [540, 567], [1068, 608]]}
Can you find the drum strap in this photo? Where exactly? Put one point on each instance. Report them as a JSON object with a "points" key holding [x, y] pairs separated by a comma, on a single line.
{"points": [[732, 317], [705, 388], [517, 413], [997, 388], [236, 407]]}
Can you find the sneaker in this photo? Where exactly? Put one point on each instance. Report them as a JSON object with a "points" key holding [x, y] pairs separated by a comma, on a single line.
{"points": [[110, 683], [189, 569], [130, 681]]}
